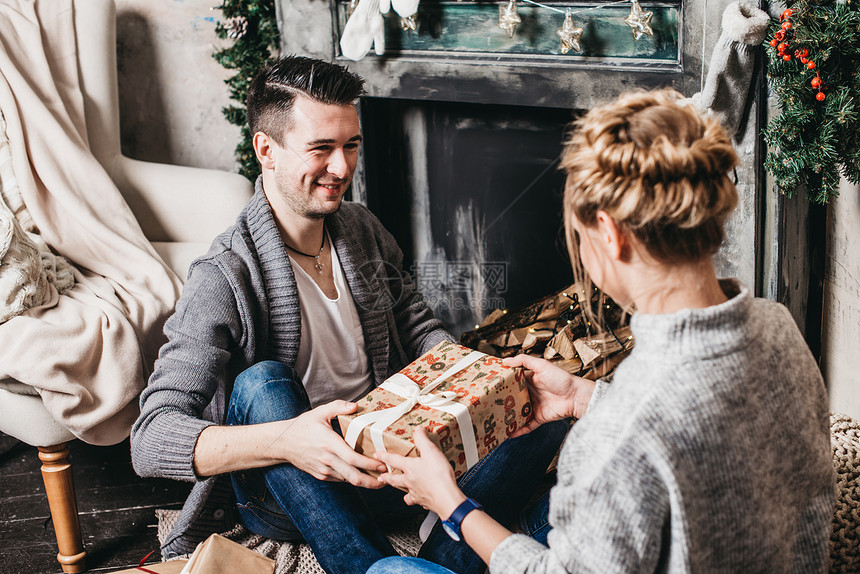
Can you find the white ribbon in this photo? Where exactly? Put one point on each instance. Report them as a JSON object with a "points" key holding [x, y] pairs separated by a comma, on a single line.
{"points": [[402, 385]]}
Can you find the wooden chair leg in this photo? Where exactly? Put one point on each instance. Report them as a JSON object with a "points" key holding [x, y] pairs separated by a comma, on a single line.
{"points": [[60, 488]]}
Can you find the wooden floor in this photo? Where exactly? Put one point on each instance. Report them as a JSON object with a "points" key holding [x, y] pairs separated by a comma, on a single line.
{"points": [[117, 509]]}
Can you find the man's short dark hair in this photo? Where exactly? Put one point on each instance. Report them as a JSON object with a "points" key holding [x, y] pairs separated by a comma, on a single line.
{"points": [[274, 89]]}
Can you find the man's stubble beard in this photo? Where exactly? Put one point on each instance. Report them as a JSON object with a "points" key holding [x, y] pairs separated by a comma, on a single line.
{"points": [[301, 202]]}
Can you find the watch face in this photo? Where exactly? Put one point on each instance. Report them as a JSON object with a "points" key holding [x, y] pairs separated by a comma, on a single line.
{"points": [[450, 530]]}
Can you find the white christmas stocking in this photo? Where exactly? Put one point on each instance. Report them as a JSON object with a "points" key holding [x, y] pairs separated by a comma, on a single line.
{"points": [[365, 27], [405, 8]]}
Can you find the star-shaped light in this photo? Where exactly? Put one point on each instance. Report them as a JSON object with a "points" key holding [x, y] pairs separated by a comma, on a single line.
{"points": [[569, 35], [409, 23], [639, 21], [509, 18]]}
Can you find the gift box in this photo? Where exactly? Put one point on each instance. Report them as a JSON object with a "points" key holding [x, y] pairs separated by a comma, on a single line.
{"points": [[467, 401]]}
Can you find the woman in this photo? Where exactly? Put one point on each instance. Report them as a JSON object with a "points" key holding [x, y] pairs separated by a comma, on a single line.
{"points": [[709, 450]]}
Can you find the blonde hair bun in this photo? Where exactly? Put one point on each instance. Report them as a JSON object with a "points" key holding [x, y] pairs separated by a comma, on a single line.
{"points": [[658, 168]]}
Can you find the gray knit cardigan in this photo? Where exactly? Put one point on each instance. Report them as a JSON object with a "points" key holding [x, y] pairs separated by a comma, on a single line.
{"points": [[708, 452], [240, 306]]}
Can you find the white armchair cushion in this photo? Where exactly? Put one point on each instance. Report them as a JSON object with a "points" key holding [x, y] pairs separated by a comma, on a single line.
{"points": [[23, 415], [178, 255], [180, 204]]}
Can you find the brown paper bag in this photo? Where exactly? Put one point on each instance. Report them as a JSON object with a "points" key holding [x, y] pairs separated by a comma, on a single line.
{"points": [[172, 567], [217, 555]]}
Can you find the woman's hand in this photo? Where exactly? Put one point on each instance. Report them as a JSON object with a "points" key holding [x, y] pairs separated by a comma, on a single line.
{"points": [[555, 393], [428, 479]]}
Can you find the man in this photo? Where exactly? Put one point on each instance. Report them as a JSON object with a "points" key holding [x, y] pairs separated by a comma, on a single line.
{"points": [[282, 323]]}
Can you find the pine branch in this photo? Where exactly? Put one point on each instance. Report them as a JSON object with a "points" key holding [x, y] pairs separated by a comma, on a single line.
{"points": [[251, 25], [815, 138]]}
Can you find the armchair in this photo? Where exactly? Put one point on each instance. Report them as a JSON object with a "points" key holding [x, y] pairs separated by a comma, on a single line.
{"points": [[180, 211]]}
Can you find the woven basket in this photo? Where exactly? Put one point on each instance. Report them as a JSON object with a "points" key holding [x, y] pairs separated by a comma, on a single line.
{"points": [[845, 540]]}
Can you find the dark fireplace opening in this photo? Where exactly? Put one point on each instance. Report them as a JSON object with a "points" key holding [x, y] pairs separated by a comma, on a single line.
{"points": [[472, 193]]}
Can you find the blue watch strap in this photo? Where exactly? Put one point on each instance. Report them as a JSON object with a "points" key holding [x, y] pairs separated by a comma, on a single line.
{"points": [[456, 518]]}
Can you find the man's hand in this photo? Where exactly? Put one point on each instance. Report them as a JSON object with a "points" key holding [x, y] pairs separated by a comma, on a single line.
{"points": [[428, 479], [310, 444], [555, 393]]}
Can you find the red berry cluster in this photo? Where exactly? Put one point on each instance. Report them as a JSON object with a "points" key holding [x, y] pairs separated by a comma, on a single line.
{"points": [[782, 40]]}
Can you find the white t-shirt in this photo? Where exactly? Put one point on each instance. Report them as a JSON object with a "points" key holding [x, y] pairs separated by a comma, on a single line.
{"points": [[332, 359]]}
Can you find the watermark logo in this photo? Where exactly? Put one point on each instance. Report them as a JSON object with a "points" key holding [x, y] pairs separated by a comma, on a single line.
{"points": [[381, 283], [462, 286], [450, 286], [467, 276]]}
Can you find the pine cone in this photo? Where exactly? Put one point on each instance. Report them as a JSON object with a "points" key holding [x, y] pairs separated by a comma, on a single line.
{"points": [[236, 27]]}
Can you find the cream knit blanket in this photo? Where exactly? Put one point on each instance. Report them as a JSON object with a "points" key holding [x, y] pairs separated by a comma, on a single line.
{"points": [[87, 351], [27, 264]]}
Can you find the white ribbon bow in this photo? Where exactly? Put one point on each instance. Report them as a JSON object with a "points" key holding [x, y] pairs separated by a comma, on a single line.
{"points": [[415, 395]]}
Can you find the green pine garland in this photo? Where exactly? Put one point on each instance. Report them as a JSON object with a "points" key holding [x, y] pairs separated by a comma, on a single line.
{"points": [[252, 26], [816, 137]]}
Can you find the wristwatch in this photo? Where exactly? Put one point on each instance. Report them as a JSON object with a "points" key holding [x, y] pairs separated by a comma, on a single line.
{"points": [[452, 525]]}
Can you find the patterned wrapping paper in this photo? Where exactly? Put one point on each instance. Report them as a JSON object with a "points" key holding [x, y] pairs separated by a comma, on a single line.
{"points": [[495, 395]]}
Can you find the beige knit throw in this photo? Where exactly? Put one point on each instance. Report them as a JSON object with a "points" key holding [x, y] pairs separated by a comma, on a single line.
{"points": [[845, 540], [27, 264]]}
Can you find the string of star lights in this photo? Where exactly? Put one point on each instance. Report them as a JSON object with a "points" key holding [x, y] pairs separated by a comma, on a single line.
{"points": [[364, 24], [639, 21]]}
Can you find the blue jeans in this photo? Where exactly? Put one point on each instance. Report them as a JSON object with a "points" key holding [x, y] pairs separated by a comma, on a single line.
{"points": [[341, 522], [404, 565], [534, 520]]}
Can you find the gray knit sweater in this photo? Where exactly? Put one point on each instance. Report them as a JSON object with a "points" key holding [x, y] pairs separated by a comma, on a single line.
{"points": [[240, 306], [708, 452]]}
